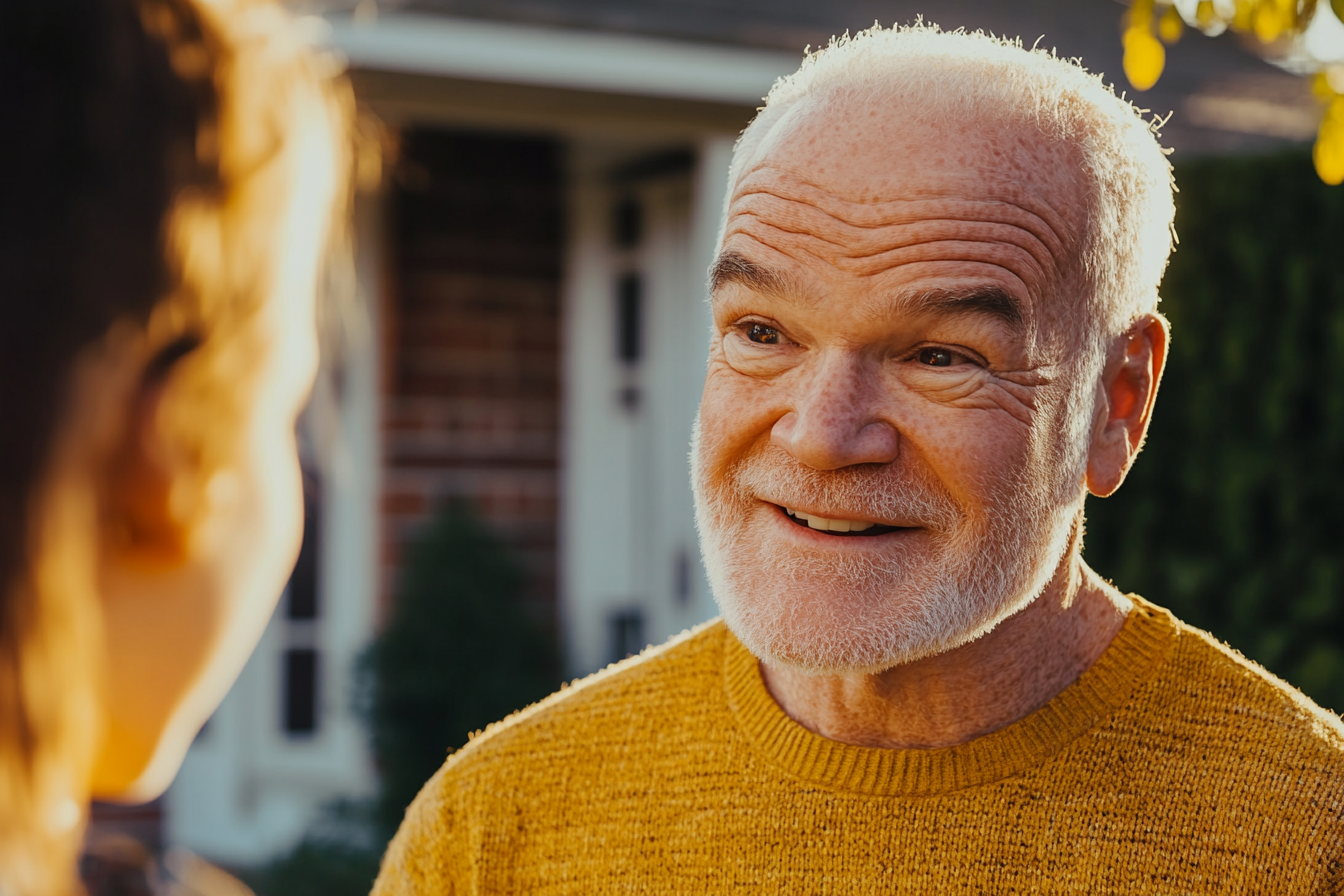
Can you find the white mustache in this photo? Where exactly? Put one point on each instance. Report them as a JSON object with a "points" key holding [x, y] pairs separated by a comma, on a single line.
{"points": [[893, 495]]}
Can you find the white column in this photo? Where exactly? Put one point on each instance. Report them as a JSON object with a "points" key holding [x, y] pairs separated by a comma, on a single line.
{"points": [[627, 519], [597, 527]]}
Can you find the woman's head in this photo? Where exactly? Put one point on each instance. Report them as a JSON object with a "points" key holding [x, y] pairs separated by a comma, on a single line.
{"points": [[169, 180]]}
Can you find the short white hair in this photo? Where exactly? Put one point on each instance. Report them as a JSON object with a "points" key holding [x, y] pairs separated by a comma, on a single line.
{"points": [[1129, 233]]}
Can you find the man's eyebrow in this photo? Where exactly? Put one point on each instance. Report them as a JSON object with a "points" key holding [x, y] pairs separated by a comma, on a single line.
{"points": [[731, 267], [988, 300], [992, 301]]}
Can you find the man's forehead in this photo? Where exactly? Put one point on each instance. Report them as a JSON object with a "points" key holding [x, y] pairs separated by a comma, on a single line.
{"points": [[868, 152], [892, 197]]}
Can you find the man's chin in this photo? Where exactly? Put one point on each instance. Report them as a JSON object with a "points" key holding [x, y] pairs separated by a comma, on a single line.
{"points": [[839, 638]]}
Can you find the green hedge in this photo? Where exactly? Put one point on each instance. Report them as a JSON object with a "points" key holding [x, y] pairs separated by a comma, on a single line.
{"points": [[1233, 514], [461, 649]]}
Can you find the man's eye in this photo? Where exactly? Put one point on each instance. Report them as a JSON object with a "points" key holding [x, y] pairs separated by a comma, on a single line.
{"points": [[937, 357], [763, 335]]}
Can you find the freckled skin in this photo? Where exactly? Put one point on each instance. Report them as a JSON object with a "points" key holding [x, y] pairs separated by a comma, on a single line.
{"points": [[859, 213]]}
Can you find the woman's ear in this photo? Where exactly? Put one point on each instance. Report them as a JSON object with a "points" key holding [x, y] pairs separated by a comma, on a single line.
{"points": [[155, 486], [1128, 389]]}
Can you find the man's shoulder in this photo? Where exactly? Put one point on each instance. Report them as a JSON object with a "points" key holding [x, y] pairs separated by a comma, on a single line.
{"points": [[607, 709], [603, 737], [1212, 692]]}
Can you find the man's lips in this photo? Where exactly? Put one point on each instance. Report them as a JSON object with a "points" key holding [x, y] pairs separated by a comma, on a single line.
{"points": [[834, 526]]}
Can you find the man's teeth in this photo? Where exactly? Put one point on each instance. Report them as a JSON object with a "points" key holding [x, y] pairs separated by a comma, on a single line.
{"points": [[829, 525]]}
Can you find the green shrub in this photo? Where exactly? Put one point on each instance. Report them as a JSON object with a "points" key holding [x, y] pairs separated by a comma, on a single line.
{"points": [[1233, 514], [338, 856], [461, 649]]}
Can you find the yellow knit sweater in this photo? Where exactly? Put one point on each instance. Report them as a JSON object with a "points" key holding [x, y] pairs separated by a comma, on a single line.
{"points": [[1172, 766]]}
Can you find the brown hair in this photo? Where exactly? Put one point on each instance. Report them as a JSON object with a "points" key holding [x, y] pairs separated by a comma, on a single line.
{"points": [[144, 180]]}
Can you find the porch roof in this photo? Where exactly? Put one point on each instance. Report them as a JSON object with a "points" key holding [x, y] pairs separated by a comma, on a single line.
{"points": [[728, 53]]}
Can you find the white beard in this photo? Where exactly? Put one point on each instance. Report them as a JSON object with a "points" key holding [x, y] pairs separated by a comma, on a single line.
{"points": [[835, 612]]}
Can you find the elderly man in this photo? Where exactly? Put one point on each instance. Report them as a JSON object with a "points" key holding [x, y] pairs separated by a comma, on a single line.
{"points": [[935, 331]]}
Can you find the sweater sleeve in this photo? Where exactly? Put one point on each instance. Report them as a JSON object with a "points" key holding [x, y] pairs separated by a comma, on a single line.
{"points": [[424, 858]]}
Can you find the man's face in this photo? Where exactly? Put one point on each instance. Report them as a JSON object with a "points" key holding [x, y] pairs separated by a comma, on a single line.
{"points": [[891, 444]]}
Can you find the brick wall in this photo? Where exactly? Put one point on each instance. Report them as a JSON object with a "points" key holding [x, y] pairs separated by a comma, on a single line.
{"points": [[472, 385]]}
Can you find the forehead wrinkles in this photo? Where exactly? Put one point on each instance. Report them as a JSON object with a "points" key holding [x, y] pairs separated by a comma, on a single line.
{"points": [[867, 238]]}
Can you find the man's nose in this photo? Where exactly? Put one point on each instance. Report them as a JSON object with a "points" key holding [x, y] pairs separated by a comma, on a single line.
{"points": [[835, 422]]}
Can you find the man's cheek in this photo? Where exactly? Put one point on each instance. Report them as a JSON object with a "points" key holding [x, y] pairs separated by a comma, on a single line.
{"points": [[973, 453], [712, 453], [734, 416]]}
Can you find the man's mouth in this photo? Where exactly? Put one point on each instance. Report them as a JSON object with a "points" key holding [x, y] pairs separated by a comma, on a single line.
{"points": [[837, 526]]}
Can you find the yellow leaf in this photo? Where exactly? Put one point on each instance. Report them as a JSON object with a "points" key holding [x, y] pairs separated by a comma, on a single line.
{"points": [[1243, 15], [1335, 113], [1328, 153], [1320, 85], [1141, 15], [1211, 18], [1144, 58], [1170, 26], [1268, 22]]}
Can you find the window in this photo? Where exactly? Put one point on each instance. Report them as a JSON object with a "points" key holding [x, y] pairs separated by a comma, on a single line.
{"points": [[627, 217], [302, 590], [681, 576], [301, 661], [627, 220], [626, 630], [629, 326], [300, 690]]}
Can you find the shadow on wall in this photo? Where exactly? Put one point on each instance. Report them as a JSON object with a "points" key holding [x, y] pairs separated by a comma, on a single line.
{"points": [[1234, 513]]}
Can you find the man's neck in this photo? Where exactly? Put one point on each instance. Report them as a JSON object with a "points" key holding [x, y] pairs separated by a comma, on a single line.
{"points": [[970, 691]]}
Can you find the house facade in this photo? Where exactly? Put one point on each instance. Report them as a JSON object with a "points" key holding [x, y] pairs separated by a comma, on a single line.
{"points": [[527, 329]]}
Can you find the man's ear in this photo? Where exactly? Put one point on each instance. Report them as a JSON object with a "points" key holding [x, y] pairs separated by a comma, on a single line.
{"points": [[154, 487], [1128, 389]]}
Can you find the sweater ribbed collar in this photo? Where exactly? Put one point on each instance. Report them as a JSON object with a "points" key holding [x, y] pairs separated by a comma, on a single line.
{"points": [[1141, 645]]}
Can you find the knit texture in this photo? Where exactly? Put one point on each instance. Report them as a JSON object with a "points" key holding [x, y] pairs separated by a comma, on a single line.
{"points": [[1172, 766]]}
